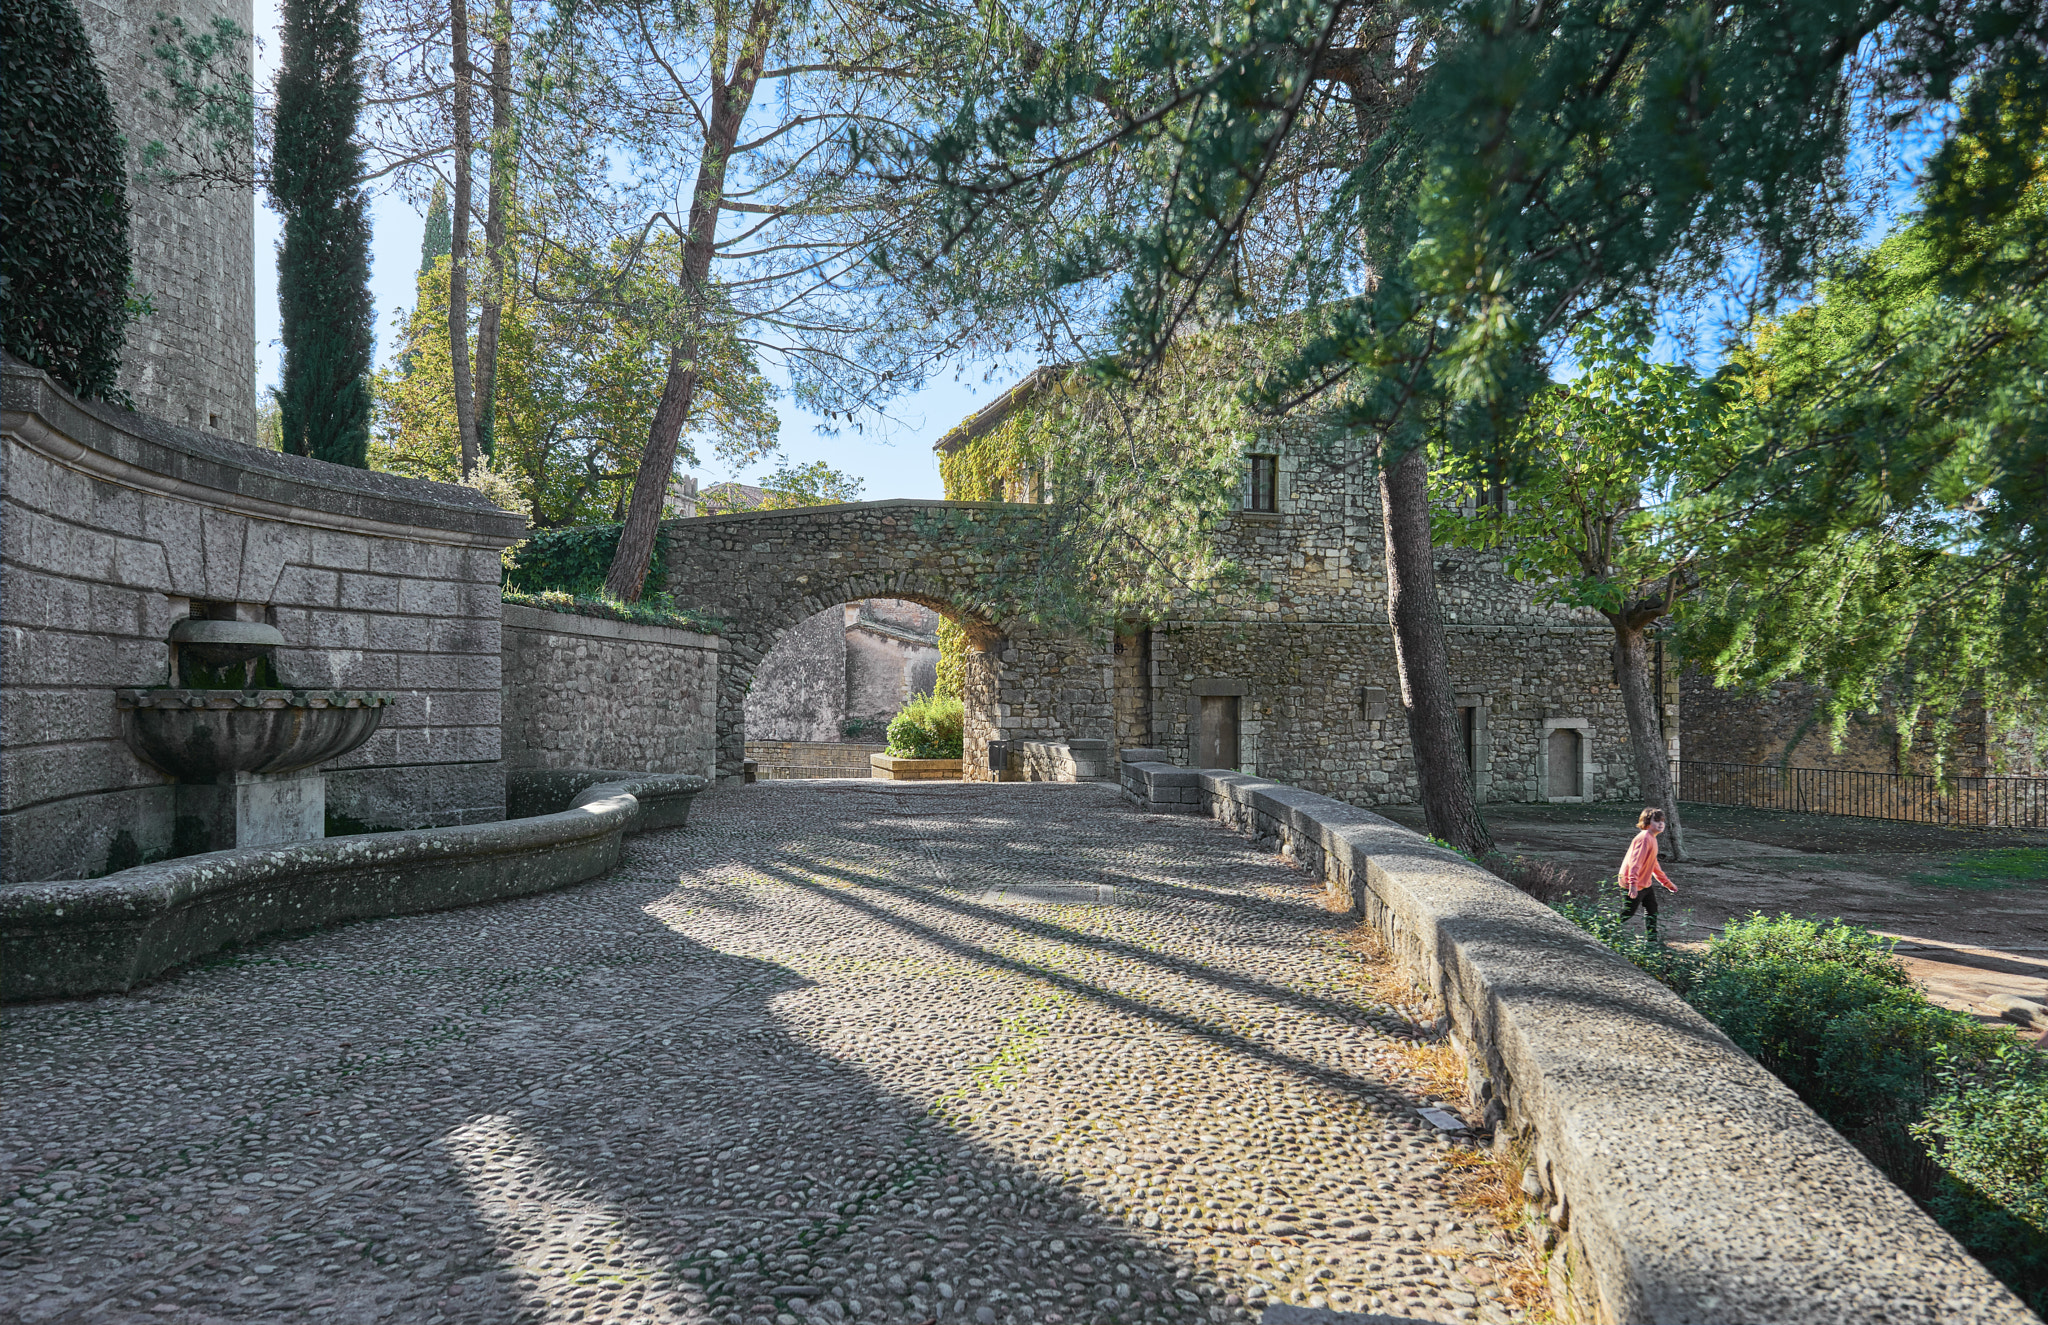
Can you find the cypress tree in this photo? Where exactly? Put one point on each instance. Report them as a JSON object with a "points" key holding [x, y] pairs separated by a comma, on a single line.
{"points": [[439, 240], [323, 269], [437, 243], [63, 192]]}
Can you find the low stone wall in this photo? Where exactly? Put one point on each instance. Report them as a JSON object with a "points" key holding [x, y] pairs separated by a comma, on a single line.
{"points": [[811, 759], [1690, 1183], [586, 692], [67, 938], [115, 526]]}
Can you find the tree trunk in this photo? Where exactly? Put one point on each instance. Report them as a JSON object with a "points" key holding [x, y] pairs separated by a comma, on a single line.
{"points": [[1645, 743], [458, 251], [1423, 658], [492, 303], [730, 99]]}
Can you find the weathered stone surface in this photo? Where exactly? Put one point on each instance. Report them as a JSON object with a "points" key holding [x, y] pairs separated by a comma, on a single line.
{"points": [[1752, 1209], [116, 525], [191, 359], [897, 768], [586, 692]]}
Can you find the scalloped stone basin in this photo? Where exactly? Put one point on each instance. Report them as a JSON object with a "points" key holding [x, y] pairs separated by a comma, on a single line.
{"points": [[207, 735]]}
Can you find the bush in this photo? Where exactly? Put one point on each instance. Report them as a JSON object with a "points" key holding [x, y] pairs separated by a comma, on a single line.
{"points": [[928, 727], [1990, 1135], [1954, 1112], [64, 256], [576, 561]]}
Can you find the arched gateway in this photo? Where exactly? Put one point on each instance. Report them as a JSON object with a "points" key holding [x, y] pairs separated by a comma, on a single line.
{"points": [[762, 572]]}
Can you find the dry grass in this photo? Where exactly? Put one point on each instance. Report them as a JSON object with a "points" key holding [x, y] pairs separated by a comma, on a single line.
{"points": [[1381, 975], [1438, 1065], [1491, 1187]]}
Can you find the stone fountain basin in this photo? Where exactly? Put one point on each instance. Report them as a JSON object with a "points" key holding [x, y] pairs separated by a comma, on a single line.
{"points": [[205, 735]]}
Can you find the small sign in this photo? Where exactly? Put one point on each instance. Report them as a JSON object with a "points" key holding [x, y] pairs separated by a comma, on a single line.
{"points": [[1449, 1122]]}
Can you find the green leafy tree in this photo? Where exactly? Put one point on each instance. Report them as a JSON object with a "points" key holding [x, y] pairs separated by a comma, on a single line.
{"points": [[1446, 188], [582, 353], [814, 484], [64, 251], [1884, 524], [1605, 455], [324, 262]]}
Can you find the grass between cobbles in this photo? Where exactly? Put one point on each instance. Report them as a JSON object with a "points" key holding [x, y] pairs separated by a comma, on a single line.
{"points": [[658, 610], [1954, 1112]]}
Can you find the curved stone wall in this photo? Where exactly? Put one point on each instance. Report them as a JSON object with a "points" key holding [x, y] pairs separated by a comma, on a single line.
{"points": [[113, 525]]}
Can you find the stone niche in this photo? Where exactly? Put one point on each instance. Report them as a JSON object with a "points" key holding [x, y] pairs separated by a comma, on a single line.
{"points": [[116, 524]]}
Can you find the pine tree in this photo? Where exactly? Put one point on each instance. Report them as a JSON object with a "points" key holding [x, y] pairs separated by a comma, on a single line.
{"points": [[323, 276]]}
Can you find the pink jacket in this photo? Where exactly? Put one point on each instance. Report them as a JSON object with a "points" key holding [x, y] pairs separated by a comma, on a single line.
{"points": [[1640, 866]]}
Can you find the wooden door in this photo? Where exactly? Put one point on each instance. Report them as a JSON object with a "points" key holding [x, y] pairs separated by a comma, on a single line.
{"points": [[1565, 763]]}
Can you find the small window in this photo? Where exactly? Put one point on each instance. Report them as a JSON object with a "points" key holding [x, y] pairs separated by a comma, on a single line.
{"points": [[1265, 484]]}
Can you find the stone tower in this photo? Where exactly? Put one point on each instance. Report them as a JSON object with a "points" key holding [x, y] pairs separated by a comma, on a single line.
{"points": [[193, 359]]}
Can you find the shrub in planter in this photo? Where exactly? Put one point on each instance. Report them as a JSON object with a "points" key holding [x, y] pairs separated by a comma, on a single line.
{"points": [[928, 727]]}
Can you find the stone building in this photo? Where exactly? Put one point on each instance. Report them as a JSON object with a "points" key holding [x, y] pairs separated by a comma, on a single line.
{"points": [[1300, 686], [191, 360], [844, 672]]}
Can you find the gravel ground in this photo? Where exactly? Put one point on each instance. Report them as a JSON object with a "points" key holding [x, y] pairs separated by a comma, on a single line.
{"points": [[805, 1060]]}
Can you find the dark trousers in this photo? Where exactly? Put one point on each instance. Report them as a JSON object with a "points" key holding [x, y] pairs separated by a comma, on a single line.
{"points": [[1646, 899]]}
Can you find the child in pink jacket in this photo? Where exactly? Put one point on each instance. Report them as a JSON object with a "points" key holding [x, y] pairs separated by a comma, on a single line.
{"points": [[1640, 871]]}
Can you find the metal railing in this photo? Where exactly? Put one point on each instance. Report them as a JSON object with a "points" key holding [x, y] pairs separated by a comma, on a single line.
{"points": [[1963, 802]]}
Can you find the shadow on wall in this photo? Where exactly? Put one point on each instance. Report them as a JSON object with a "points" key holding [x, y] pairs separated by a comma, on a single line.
{"points": [[844, 672]]}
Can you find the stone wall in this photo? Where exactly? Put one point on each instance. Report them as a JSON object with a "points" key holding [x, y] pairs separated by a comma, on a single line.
{"points": [[1778, 726], [191, 360], [585, 692], [763, 572], [860, 661], [1310, 660], [114, 525], [799, 690]]}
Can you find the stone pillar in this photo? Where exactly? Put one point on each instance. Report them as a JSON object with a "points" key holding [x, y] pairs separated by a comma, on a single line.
{"points": [[251, 810]]}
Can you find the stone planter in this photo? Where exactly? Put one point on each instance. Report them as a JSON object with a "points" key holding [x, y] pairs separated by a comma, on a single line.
{"points": [[895, 769]]}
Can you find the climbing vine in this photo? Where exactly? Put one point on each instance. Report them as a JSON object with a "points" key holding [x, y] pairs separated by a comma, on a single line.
{"points": [[1140, 475]]}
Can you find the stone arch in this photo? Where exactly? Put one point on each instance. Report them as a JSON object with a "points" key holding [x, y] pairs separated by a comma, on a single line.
{"points": [[762, 572]]}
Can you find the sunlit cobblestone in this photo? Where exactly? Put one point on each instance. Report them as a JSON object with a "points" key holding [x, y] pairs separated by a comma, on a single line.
{"points": [[788, 1064]]}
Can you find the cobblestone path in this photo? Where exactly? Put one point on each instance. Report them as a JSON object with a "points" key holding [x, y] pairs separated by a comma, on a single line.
{"points": [[819, 1057]]}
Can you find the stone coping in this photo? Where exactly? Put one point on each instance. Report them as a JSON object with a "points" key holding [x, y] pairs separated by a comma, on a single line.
{"points": [[136, 451], [85, 936], [1691, 1184], [856, 508], [518, 616]]}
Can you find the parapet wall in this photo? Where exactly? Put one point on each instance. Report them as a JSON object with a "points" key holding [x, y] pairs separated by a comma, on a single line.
{"points": [[585, 692], [114, 525], [1691, 1185]]}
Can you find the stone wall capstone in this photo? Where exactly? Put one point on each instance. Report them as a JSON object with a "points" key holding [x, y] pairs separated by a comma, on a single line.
{"points": [[114, 525], [586, 692]]}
